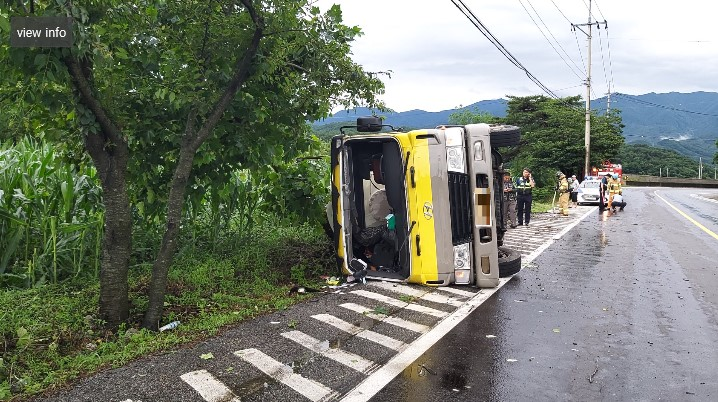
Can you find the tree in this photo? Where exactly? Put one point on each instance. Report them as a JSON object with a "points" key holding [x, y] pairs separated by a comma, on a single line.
{"points": [[466, 116], [552, 135], [168, 94], [715, 158], [644, 159]]}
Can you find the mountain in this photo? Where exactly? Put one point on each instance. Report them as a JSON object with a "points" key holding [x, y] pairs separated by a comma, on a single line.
{"points": [[416, 118], [684, 122]]}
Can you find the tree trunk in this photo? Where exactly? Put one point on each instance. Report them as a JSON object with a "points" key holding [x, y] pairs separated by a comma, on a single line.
{"points": [[160, 268], [110, 154], [117, 237], [191, 141]]}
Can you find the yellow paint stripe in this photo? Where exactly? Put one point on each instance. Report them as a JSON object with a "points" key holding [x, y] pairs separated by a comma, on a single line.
{"points": [[705, 229]]}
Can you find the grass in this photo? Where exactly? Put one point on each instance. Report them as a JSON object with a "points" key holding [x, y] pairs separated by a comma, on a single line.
{"points": [[50, 335]]}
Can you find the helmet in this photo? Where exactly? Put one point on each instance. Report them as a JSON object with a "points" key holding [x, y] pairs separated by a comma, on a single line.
{"points": [[559, 174], [615, 176]]}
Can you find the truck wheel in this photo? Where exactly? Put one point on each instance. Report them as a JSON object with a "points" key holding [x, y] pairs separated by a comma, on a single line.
{"points": [[509, 262], [505, 136]]}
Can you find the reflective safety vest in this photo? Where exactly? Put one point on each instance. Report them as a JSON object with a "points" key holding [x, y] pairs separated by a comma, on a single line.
{"points": [[614, 186], [523, 186]]}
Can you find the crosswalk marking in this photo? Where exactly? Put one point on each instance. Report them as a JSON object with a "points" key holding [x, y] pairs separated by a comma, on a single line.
{"points": [[396, 321], [455, 291], [400, 304], [369, 335], [208, 387], [422, 294], [348, 359], [311, 389]]}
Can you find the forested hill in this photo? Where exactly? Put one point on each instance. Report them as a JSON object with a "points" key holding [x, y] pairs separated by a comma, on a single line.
{"points": [[684, 122]]}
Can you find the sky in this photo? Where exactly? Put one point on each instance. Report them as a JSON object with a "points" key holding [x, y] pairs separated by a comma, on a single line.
{"points": [[439, 60]]}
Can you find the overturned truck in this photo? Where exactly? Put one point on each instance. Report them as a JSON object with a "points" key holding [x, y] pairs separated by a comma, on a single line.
{"points": [[423, 206]]}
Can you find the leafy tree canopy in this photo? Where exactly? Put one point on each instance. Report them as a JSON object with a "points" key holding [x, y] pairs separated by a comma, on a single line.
{"points": [[653, 161], [170, 98], [553, 132]]}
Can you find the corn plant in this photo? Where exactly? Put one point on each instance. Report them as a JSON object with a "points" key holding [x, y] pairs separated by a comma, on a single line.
{"points": [[50, 216]]}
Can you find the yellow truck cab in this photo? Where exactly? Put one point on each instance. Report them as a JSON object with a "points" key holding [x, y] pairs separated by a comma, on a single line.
{"points": [[424, 206]]}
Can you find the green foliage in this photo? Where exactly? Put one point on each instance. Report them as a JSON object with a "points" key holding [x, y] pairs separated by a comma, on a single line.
{"points": [[50, 335], [647, 160], [50, 216], [325, 132], [715, 158], [553, 133], [468, 116]]}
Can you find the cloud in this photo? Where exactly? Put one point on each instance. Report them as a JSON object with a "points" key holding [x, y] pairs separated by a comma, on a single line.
{"points": [[440, 60]]}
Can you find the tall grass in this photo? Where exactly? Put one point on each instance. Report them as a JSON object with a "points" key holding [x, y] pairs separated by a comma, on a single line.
{"points": [[51, 216]]}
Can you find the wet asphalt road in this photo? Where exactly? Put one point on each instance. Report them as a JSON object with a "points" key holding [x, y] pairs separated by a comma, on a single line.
{"points": [[622, 308]]}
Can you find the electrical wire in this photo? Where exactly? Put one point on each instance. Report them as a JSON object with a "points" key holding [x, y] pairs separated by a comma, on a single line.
{"points": [[634, 99], [552, 35], [494, 41]]}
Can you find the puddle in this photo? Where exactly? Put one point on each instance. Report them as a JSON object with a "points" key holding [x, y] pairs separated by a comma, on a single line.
{"points": [[257, 384]]}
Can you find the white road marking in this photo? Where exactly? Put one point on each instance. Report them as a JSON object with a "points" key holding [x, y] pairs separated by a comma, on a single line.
{"points": [[208, 387], [418, 293], [385, 374], [396, 321], [458, 292], [400, 304], [702, 198], [348, 359], [526, 260], [311, 389], [360, 332]]}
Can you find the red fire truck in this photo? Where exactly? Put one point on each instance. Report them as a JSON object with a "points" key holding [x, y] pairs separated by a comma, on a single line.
{"points": [[608, 167]]}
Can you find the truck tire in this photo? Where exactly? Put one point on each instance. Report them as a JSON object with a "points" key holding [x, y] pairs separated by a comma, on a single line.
{"points": [[509, 262], [505, 136]]}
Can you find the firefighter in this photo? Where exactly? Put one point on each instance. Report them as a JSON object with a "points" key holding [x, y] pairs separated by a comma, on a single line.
{"points": [[564, 191], [614, 187]]}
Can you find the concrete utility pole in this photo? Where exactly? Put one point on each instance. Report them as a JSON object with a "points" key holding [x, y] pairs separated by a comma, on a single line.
{"points": [[587, 139]]}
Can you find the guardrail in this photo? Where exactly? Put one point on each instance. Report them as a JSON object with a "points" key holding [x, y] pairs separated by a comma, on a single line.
{"points": [[655, 181]]}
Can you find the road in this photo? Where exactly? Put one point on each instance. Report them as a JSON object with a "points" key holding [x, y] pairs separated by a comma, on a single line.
{"points": [[611, 307], [624, 307]]}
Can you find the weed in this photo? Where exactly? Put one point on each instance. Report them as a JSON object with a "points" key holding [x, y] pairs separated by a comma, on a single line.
{"points": [[380, 310], [407, 298], [50, 335]]}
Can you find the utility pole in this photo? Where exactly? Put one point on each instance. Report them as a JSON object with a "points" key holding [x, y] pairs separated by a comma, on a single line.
{"points": [[700, 167], [587, 138]]}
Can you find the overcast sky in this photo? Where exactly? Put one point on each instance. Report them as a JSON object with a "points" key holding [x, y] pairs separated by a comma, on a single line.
{"points": [[439, 60]]}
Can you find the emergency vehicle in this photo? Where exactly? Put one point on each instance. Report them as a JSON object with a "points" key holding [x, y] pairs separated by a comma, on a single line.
{"points": [[424, 206], [608, 167]]}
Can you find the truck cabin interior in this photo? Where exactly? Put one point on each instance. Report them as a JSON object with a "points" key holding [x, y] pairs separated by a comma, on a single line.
{"points": [[376, 193]]}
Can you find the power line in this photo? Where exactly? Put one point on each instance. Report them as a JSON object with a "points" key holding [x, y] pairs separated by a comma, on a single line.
{"points": [[552, 35], [485, 31], [634, 99]]}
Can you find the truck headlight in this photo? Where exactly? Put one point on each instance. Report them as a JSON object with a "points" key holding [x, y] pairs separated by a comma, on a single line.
{"points": [[462, 263], [455, 159]]}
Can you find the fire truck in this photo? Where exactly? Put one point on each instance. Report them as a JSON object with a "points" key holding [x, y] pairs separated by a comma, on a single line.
{"points": [[608, 167]]}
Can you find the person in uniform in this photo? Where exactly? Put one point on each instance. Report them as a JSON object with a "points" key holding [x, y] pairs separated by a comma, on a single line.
{"points": [[564, 193], [510, 199], [524, 186], [618, 202], [614, 187], [574, 192]]}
